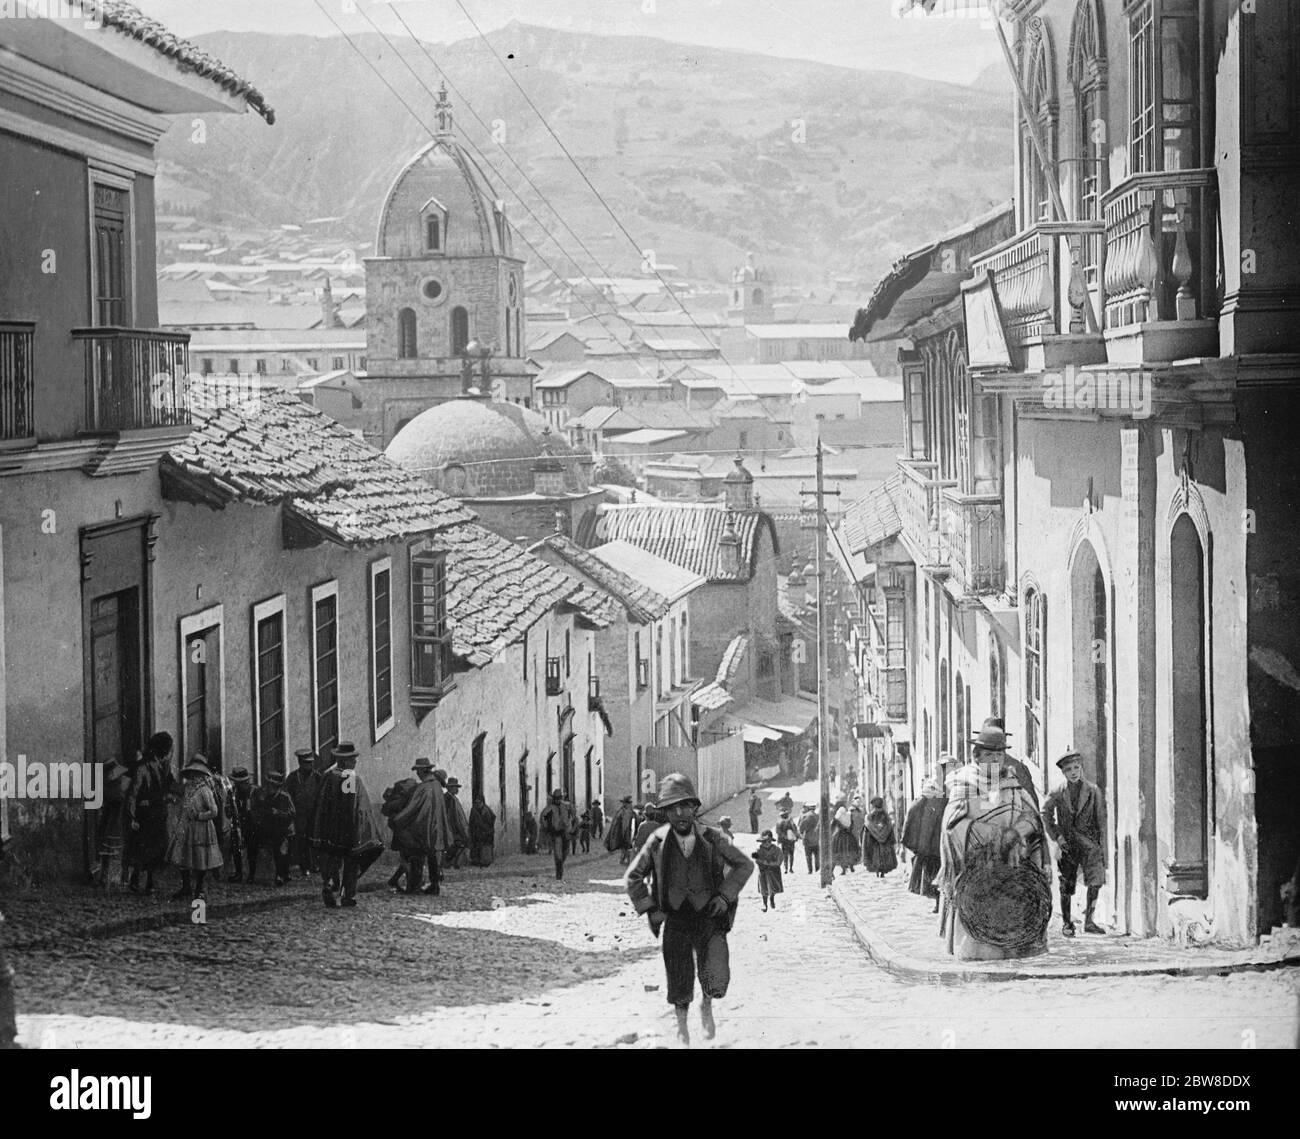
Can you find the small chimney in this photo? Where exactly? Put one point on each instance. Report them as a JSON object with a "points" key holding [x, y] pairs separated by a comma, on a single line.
{"points": [[739, 487], [548, 471], [729, 545]]}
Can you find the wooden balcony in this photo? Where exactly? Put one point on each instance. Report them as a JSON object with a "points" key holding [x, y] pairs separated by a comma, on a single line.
{"points": [[1046, 279], [972, 525], [17, 381], [136, 379], [1161, 267], [920, 511]]}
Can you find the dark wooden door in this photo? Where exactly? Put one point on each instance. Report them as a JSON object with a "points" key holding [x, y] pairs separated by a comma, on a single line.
{"points": [[116, 729]]}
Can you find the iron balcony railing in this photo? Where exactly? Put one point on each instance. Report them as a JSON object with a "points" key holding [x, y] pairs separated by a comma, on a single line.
{"points": [[17, 380], [1162, 232], [135, 378]]}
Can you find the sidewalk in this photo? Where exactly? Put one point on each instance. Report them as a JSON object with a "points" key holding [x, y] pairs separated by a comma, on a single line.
{"points": [[45, 918], [901, 935]]}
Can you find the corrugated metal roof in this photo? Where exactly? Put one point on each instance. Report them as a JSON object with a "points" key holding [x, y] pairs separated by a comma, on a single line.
{"points": [[689, 535]]}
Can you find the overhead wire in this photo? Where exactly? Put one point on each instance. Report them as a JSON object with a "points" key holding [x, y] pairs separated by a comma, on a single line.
{"points": [[599, 196], [432, 134]]}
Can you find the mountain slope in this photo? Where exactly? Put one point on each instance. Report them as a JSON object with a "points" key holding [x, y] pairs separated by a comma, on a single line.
{"points": [[702, 153]]}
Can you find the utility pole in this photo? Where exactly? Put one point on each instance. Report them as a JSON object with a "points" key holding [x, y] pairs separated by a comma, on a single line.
{"points": [[823, 631]]}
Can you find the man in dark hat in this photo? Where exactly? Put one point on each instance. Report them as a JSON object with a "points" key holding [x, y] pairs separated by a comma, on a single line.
{"points": [[344, 829], [457, 823], [419, 826], [597, 819], [559, 825], [787, 835], [992, 834], [755, 810], [273, 817], [651, 820], [243, 828], [687, 880], [1074, 817], [1023, 775], [622, 831], [303, 785], [809, 826]]}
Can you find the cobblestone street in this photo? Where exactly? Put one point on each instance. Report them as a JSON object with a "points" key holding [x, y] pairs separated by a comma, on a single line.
{"points": [[523, 961]]}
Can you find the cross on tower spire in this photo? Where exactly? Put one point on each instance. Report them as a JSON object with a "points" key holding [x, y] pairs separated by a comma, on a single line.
{"points": [[442, 110]]}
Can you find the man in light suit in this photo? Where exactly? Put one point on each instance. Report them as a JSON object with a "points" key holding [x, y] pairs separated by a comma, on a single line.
{"points": [[1074, 817]]}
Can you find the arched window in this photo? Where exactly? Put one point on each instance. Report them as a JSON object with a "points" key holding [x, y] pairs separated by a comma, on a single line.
{"points": [[962, 712], [1040, 84], [1191, 784], [459, 330], [758, 297], [944, 707], [1035, 675], [406, 340], [1091, 133], [997, 679]]}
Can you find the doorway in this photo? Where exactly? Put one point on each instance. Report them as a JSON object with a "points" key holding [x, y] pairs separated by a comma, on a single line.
{"points": [[202, 682], [1189, 869]]}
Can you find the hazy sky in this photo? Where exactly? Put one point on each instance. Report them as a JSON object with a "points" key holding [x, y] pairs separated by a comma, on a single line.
{"points": [[850, 33]]}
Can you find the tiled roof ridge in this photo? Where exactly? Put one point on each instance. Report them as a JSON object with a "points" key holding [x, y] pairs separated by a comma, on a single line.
{"points": [[643, 604], [130, 21]]}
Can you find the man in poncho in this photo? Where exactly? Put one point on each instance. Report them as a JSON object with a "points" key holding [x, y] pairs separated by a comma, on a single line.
{"points": [[622, 830], [482, 833], [303, 785], [457, 822], [345, 831], [994, 860], [420, 828], [921, 833]]}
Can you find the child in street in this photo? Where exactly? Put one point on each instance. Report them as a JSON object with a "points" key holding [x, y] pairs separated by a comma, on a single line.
{"points": [[725, 824], [768, 857], [195, 847], [584, 831]]}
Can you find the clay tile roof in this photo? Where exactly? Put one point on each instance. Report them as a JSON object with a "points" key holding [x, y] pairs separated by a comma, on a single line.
{"points": [[729, 666], [273, 449], [642, 603], [687, 535], [497, 590], [874, 517], [711, 697], [130, 21]]}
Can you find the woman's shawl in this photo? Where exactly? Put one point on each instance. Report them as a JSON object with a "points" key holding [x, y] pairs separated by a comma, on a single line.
{"points": [[482, 823], [880, 827]]}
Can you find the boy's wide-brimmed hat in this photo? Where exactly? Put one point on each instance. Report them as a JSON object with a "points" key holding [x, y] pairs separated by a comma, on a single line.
{"points": [[1069, 757], [676, 788], [767, 835], [345, 750], [556, 794], [241, 775], [990, 739]]}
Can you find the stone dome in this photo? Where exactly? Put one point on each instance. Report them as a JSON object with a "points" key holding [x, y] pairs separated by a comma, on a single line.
{"points": [[477, 448], [445, 180]]}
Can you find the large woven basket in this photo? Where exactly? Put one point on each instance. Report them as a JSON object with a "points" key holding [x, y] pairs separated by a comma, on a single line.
{"points": [[1005, 906]]}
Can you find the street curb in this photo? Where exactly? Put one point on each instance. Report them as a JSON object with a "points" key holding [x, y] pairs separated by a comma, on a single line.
{"points": [[912, 968], [180, 914]]}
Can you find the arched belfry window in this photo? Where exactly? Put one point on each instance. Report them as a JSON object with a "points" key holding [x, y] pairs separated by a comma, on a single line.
{"points": [[406, 339], [1091, 133], [1040, 85], [459, 330]]}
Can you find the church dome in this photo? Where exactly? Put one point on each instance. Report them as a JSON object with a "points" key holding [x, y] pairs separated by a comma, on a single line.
{"points": [[477, 448], [444, 182]]}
